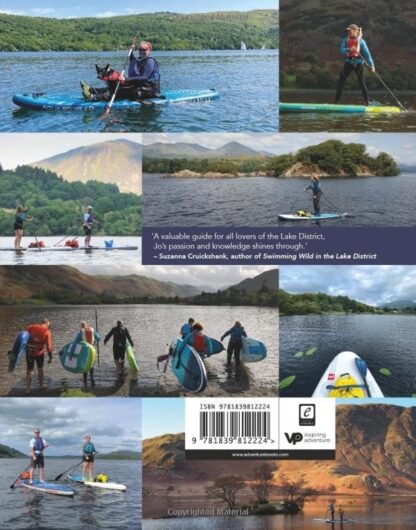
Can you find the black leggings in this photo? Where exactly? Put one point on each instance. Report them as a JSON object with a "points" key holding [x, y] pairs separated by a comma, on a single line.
{"points": [[345, 73], [234, 347]]}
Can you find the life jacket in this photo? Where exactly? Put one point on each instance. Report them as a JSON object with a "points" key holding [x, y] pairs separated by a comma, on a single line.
{"points": [[102, 477], [199, 342], [37, 244], [353, 46], [73, 243], [154, 78], [39, 338], [39, 445], [88, 219], [88, 335]]}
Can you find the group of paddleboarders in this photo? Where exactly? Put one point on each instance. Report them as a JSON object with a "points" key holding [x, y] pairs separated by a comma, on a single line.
{"points": [[193, 335], [141, 83], [37, 446], [40, 344]]}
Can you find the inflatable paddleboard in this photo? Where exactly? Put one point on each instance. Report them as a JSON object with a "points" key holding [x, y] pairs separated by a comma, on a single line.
{"points": [[18, 350], [253, 351], [99, 485], [323, 216], [348, 109], [188, 367], [131, 358], [47, 102], [48, 487], [216, 345], [77, 357], [342, 379]]}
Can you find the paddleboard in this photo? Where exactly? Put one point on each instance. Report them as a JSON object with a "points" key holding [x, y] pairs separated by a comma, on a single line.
{"points": [[43, 101], [188, 367], [345, 520], [131, 358], [66, 249], [253, 351], [48, 487], [77, 357], [217, 347], [348, 109], [100, 485], [18, 350], [322, 216], [341, 372]]}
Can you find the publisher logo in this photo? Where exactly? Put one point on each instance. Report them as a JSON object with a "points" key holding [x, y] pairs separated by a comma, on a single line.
{"points": [[307, 415], [294, 438]]}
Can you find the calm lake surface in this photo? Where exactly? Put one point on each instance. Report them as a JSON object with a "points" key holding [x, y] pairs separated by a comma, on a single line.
{"points": [[160, 325], [69, 257], [314, 122], [247, 83], [65, 323], [89, 509], [387, 513], [257, 201], [383, 341]]}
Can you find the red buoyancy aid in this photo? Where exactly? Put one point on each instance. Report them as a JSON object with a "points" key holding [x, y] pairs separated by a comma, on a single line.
{"points": [[353, 46], [199, 343], [88, 335], [40, 339]]}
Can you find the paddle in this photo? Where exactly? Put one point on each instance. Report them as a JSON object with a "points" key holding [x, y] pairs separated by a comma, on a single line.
{"points": [[70, 469], [362, 368], [98, 342], [12, 485], [384, 84], [113, 97]]}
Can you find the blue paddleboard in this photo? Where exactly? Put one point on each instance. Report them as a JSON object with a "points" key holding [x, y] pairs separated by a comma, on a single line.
{"points": [[323, 216], [188, 367], [253, 350], [18, 349]]}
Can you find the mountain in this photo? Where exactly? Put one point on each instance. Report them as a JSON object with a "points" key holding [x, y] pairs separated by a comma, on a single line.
{"points": [[376, 445], [407, 168], [120, 455], [267, 279], [233, 150], [400, 304], [112, 162], [9, 452]]}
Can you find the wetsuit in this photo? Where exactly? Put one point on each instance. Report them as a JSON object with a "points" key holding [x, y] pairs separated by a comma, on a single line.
{"points": [[120, 336]]}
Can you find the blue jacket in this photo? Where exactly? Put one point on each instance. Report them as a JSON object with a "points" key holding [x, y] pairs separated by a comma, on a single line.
{"points": [[186, 329], [236, 334], [315, 186], [365, 52]]}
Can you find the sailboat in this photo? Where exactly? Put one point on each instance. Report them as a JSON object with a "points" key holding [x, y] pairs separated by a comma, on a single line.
{"points": [[243, 46], [263, 47]]}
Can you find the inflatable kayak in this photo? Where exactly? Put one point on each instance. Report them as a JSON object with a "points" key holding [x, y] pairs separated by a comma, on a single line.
{"points": [[48, 487], [343, 379], [253, 351], [100, 485], [42, 101], [18, 349], [348, 109], [322, 216]]}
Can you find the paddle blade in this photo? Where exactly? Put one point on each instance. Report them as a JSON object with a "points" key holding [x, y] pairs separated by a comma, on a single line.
{"points": [[362, 366]]}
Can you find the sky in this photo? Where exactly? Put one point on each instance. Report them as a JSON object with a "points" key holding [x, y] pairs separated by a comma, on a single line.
{"points": [[23, 148], [114, 424], [107, 8], [371, 284], [401, 146], [212, 276], [162, 416]]}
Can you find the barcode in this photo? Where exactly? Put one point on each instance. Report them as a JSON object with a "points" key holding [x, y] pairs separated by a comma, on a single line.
{"points": [[241, 424]]}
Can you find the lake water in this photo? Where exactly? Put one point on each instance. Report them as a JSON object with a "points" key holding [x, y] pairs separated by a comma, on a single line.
{"points": [[160, 324], [387, 513], [383, 341], [89, 509], [65, 321], [69, 257], [314, 122], [257, 201], [247, 83]]}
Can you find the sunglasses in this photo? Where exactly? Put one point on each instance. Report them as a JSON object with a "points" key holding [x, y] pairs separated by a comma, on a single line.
{"points": [[143, 49]]}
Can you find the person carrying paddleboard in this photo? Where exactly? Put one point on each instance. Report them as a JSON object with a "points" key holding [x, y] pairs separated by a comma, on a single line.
{"points": [[40, 342], [198, 340], [20, 217], [187, 328], [37, 446], [88, 334], [87, 225], [315, 187], [120, 336], [356, 53], [88, 452], [236, 333]]}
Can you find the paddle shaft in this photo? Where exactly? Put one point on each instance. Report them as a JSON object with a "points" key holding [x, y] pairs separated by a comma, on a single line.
{"points": [[63, 473], [98, 342], [384, 84], [12, 485]]}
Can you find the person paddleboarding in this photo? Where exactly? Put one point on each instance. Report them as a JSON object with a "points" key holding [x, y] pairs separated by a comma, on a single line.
{"points": [[88, 223], [20, 217], [356, 54], [315, 187], [37, 446], [88, 453]]}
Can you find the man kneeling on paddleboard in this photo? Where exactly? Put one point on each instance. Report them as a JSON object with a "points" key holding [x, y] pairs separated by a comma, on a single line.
{"points": [[143, 81], [356, 53], [37, 446], [40, 342]]}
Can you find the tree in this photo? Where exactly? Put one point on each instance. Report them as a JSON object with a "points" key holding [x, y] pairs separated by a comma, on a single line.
{"points": [[294, 493], [226, 488], [263, 479]]}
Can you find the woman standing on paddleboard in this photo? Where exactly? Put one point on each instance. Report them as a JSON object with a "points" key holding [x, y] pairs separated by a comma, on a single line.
{"points": [[87, 225], [88, 452], [356, 53], [315, 187], [19, 218]]}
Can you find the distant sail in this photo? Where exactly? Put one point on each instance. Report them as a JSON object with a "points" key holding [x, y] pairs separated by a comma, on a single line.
{"points": [[263, 47], [243, 46]]}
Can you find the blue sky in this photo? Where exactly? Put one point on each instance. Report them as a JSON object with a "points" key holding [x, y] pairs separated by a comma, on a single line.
{"points": [[105, 8], [114, 424], [372, 284], [163, 416]]}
